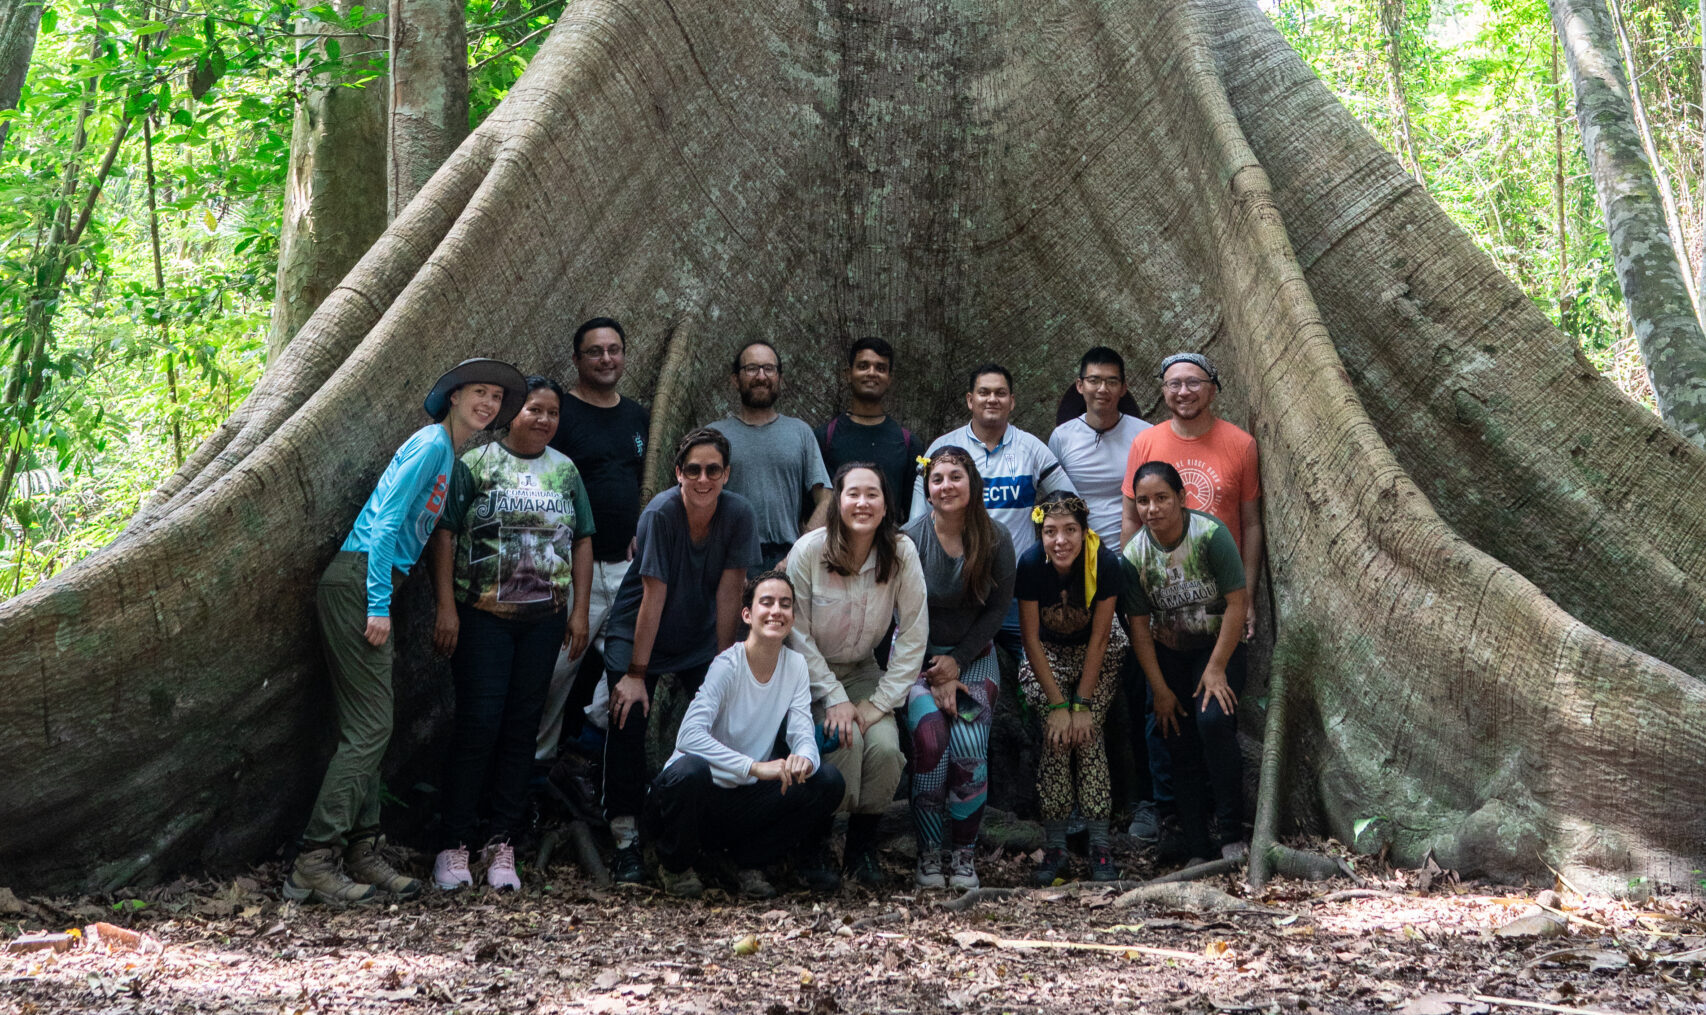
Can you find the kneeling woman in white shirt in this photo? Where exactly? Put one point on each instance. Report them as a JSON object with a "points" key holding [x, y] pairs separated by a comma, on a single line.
{"points": [[852, 578], [724, 789]]}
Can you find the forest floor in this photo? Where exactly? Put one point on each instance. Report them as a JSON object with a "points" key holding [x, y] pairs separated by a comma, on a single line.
{"points": [[1412, 942]]}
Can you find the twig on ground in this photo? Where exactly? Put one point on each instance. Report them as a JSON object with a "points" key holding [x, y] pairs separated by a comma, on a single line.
{"points": [[1201, 870], [1355, 893], [1028, 944], [1541, 1005]]}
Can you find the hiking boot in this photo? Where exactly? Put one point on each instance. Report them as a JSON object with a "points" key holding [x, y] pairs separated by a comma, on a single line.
{"points": [[629, 868], [753, 884], [929, 873], [499, 858], [1145, 824], [962, 870], [367, 865], [574, 782], [1102, 865], [864, 868], [316, 877], [1050, 868], [816, 868], [450, 869], [680, 884]]}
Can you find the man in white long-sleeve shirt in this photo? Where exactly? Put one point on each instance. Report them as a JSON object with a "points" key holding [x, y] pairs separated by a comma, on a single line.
{"points": [[724, 790]]}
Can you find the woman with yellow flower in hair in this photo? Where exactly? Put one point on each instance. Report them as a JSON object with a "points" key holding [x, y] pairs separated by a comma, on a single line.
{"points": [[1067, 587]]}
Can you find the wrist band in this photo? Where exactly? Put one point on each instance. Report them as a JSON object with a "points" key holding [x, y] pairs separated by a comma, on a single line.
{"points": [[1059, 705], [1079, 706]]}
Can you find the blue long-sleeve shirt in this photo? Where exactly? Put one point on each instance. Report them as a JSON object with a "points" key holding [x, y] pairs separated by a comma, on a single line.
{"points": [[394, 524]]}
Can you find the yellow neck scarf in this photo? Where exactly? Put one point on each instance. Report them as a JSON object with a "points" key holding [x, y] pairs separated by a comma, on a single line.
{"points": [[1092, 543]]}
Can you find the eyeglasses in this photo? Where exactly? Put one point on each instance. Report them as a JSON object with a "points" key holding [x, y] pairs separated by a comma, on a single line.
{"points": [[760, 370], [1100, 382], [693, 470], [1188, 384]]}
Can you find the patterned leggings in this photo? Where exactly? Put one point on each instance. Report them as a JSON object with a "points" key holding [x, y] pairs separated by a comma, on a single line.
{"points": [[950, 755], [1055, 788]]}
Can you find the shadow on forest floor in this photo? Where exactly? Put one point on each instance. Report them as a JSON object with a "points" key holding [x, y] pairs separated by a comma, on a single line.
{"points": [[1403, 942]]}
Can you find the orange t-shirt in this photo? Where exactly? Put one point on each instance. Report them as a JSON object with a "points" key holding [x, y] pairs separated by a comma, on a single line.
{"points": [[1219, 469]]}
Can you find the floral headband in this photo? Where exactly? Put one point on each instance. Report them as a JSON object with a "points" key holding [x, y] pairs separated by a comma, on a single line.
{"points": [[1065, 505]]}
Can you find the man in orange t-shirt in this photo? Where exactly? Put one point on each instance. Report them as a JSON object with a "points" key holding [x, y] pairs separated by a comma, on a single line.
{"points": [[1216, 460]]}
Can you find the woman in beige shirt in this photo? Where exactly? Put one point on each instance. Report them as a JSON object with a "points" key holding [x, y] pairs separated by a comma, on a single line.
{"points": [[852, 578]]}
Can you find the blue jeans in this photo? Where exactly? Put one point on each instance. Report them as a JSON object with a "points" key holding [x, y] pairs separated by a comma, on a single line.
{"points": [[502, 669]]}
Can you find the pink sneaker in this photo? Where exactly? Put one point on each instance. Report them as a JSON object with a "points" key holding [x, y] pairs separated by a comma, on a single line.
{"points": [[450, 870], [499, 858]]}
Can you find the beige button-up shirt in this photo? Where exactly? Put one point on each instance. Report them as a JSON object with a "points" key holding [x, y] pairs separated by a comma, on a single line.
{"points": [[838, 620]]}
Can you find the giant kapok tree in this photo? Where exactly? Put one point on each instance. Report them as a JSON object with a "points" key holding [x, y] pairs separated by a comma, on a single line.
{"points": [[1488, 566]]}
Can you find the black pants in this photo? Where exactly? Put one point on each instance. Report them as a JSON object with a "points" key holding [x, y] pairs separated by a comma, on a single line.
{"points": [[688, 815], [502, 669], [1206, 759], [625, 774]]}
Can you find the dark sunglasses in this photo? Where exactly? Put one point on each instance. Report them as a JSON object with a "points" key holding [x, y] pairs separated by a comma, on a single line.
{"points": [[693, 470]]}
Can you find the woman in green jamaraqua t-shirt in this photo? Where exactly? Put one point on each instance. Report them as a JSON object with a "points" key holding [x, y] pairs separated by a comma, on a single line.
{"points": [[1185, 597], [514, 595]]}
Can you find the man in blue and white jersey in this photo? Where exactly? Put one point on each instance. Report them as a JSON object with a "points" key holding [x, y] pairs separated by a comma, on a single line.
{"points": [[1017, 470]]}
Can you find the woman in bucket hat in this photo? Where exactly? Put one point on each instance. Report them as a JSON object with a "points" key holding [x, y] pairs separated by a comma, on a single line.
{"points": [[353, 601]]}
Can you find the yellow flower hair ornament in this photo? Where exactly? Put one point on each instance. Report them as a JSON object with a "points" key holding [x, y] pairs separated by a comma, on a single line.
{"points": [[923, 461], [1037, 515]]}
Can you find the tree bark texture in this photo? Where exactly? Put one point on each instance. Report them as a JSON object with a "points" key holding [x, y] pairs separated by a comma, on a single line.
{"points": [[429, 93], [334, 194], [1648, 267], [1486, 561], [19, 21]]}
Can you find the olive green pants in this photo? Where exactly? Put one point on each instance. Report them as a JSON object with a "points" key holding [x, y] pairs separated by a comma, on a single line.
{"points": [[361, 692]]}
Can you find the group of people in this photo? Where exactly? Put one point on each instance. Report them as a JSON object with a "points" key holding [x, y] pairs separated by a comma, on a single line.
{"points": [[813, 592]]}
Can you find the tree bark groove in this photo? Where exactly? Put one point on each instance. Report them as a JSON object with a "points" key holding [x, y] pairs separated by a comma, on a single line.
{"points": [[1486, 561]]}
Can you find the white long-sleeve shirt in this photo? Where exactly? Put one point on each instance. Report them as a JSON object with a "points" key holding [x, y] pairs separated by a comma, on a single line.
{"points": [[838, 619], [732, 721]]}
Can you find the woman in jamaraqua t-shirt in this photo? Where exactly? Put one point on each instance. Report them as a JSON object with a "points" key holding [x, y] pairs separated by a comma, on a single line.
{"points": [[353, 601], [1066, 586], [1185, 599], [522, 553]]}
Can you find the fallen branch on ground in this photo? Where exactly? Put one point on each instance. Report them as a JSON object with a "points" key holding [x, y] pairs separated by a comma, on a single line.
{"points": [[1541, 1005]]}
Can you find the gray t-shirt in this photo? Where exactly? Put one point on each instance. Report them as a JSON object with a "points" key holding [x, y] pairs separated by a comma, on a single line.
{"points": [[774, 467], [664, 549], [958, 622]]}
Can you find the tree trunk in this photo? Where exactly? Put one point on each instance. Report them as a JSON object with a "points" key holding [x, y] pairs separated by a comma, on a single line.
{"points": [[1485, 559], [334, 195], [19, 20], [1654, 289], [1392, 23], [429, 93]]}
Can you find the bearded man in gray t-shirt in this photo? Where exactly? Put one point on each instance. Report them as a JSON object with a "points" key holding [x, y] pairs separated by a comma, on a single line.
{"points": [[780, 464]]}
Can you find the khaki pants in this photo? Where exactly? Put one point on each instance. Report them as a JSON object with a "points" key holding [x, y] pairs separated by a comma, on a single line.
{"points": [[361, 691], [871, 765]]}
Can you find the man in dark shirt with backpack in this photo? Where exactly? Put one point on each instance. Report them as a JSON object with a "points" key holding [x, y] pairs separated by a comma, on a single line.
{"points": [[866, 432]]}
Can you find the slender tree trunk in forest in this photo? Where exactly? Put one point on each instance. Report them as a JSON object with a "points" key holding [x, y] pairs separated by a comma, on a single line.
{"points": [[1667, 196], [19, 21], [1654, 289], [1392, 23], [429, 93], [1487, 573], [334, 195], [1558, 179]]}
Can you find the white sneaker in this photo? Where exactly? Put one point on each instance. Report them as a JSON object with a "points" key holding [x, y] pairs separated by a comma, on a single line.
{"points": [[499, 858], [962, 871], [450, 870], [929, 873]]}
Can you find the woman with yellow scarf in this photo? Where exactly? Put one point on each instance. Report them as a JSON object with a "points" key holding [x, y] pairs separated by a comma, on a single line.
{"points": [[1067, 587]]}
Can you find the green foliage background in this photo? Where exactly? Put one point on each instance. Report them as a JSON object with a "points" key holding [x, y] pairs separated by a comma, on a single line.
{"points": [[135, 376]]}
